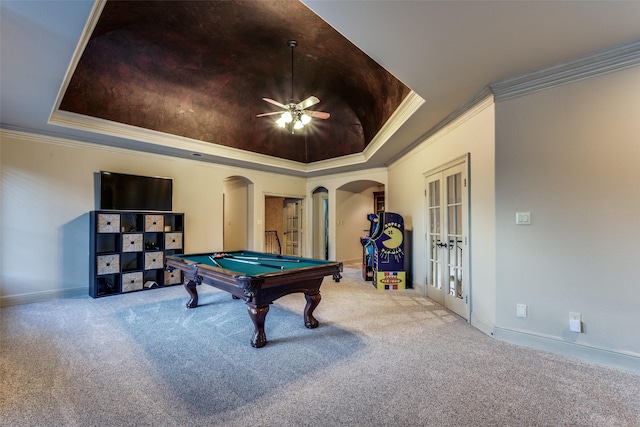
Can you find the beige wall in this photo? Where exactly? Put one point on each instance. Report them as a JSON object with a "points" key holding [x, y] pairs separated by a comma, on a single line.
{"points": [[343, 245], [471, 134], [47, 190], [236, 213], [568, 154], [571, 156], [352, 221]]}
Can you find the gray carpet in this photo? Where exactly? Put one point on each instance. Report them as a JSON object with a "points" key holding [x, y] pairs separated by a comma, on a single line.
{"points": [[377, 359]]}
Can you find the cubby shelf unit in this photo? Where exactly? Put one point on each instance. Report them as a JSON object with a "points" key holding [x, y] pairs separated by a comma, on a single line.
{"points": [[128, 250]]}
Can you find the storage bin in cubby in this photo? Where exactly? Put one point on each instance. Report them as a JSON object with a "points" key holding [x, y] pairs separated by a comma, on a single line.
{"points": [[132, 282], [108, 264], [153, 260], [173, 241], [131, 242], [153, 223], [172, 278], [108, 223]]}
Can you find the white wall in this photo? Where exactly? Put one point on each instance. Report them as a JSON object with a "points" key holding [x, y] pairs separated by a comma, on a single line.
{"points": [[571, 156], [47, 190], [471, 133]]}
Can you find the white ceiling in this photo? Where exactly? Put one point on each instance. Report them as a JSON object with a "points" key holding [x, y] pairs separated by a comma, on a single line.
{"points": [[445, 51]]}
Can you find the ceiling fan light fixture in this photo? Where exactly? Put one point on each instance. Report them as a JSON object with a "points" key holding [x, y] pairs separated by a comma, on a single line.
{"points": [[294, 116], [287, 117]]}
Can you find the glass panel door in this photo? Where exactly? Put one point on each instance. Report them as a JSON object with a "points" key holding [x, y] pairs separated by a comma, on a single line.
{"points": [[447, 240], [434, 241], [292, 227], [456, 293]]}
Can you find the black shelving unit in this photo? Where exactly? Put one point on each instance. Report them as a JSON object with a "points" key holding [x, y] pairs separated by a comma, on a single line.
{"points": [[128, 250]]}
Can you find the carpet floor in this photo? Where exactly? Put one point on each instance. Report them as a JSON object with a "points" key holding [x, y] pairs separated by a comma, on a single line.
{"points": [[378, 358]]}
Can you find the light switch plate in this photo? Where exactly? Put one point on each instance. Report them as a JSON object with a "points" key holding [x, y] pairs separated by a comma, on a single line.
{"points": [[523, 218], [575, 322], [521, 310], [575, 325]]}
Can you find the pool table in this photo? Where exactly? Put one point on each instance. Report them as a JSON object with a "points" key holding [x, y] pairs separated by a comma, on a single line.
{"points": [[257, 278]]}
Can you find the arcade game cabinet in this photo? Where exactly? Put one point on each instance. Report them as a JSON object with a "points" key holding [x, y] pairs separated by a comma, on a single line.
{"points": [[385, 248], [367, 247]]}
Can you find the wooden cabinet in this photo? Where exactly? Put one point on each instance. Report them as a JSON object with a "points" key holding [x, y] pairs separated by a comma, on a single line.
{"points": [[128, 250]]}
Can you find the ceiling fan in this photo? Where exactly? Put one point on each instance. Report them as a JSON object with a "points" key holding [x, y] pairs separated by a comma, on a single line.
{"points": [[295, 116]]}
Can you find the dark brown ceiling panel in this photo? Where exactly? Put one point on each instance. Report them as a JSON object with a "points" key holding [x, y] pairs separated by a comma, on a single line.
{"points": [[199, 69]]}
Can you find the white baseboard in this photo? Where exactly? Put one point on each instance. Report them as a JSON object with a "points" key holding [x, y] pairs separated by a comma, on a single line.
{"points": [[602, 356], [30, 298], [482, 324]]}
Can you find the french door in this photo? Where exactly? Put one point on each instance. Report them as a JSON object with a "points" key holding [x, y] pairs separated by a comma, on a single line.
{"points": [[448, 238], [292, 227]]}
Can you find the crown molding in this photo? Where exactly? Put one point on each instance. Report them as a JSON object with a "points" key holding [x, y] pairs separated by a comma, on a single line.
{"points": [[409, 105], [600, 63], [160, 139], [85, 36], [470, 108]]}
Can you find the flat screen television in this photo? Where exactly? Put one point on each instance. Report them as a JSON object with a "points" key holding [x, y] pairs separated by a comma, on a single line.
{"points": [[120, 191]]}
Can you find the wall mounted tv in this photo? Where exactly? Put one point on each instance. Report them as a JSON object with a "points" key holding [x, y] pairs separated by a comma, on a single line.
{"points": [[120, 191]]}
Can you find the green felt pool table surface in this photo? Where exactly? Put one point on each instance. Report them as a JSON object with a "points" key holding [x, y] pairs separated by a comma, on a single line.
{"points": [[250, 263]]}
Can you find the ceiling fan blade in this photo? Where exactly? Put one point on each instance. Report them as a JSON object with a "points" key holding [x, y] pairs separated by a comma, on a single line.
{"points": [[303, 105], [318, 114], [276, 103], [269, 114]]}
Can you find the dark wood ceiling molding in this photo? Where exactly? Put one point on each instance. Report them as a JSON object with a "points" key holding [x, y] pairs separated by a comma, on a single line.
{"points": [[603, 62]]}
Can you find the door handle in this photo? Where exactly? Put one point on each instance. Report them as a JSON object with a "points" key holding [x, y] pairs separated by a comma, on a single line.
{"points": [[442, 245]]}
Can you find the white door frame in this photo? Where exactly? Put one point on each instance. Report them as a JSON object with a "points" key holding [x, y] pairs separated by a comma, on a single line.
{"points": [[448, 279]]}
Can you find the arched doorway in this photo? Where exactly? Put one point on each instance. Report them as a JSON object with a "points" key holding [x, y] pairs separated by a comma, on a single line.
{"points": [[237, 213], [320, 223], [355, 200]]}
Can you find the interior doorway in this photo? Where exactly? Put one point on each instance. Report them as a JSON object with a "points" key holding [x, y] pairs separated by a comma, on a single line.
{"points": [[283, 221], [293, 231], [320, 221], [447, 194], [237, 213]]}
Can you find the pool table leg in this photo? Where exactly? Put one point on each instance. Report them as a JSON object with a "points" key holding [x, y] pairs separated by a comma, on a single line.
{"points": [[312, 302], [258, 314], [190, 286]]}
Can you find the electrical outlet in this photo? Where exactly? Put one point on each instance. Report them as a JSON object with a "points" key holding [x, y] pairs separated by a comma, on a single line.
{"points": [[521, 310]]}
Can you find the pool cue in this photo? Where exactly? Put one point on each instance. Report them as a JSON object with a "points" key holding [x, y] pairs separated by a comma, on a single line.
{"points": [[212, 258], [277, 256], [265, 259], [246, 261]]}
